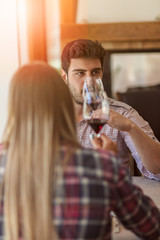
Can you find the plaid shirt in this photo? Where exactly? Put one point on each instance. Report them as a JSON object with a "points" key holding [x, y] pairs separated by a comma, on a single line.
{"points": [[93, 184], [124, 141]]}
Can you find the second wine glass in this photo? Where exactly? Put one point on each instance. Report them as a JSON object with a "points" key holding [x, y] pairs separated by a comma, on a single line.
{"points": [[95, 105]]}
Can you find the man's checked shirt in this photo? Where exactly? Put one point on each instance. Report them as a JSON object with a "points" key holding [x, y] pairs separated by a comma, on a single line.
{"points": [[124, 141], [93, 184]]}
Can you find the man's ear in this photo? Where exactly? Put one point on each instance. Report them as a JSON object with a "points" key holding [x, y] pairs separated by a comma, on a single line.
{"points": [[64, 76]]}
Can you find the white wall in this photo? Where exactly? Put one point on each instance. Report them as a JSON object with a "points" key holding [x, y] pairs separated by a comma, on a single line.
{"points": [[96, 11], [53, 32], [134, 70], [9, 52]]}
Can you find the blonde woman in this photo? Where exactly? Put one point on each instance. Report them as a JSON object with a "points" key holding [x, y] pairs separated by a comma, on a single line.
{"points": [[51, 188]]}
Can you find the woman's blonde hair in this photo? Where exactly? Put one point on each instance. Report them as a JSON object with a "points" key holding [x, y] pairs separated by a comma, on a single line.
{"points": [[40, 120]]}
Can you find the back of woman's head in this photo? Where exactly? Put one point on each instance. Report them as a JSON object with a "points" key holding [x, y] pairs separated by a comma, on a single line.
{"points": [[41, 119], [38, 96]]}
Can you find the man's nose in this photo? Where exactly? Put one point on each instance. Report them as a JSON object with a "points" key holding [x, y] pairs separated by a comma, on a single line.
{"points": [[89, 75]]}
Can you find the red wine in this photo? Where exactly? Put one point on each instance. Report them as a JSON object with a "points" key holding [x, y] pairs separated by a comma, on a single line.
{"points": [[96, 124]]}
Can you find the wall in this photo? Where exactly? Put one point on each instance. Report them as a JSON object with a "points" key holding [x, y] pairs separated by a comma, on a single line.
{"points": [[134, 70], [127, 70], [53, 32], [9, 60], [93, 11]]}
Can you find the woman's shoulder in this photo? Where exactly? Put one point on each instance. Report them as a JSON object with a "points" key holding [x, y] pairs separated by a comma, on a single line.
{"points": [[3, 149], [103, 157], [97, 164], [88, 157], [101, 153], [3, 153]]}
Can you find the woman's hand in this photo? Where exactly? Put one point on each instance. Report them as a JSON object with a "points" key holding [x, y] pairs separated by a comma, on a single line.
{"points": [[103, 142]]}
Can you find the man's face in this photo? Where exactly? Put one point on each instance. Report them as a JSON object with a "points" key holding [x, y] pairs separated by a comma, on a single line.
{"points": [[78, 71]]}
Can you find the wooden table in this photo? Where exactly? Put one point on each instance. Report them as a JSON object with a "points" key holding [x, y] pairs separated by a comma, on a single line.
{"points": [[150, 188]]}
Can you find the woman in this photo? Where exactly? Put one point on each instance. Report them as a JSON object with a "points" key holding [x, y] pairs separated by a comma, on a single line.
{"points": [[52, 188]]}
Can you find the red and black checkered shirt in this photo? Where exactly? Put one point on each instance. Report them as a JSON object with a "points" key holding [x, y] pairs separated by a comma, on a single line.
{"points": [[93, 184]]}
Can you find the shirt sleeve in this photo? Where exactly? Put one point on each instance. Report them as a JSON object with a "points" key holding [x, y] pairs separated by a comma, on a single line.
{"points": [[136, 211], [141, 123]]}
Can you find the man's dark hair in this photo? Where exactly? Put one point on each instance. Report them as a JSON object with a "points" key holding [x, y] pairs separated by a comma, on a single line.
{"points": [[81, 48]]}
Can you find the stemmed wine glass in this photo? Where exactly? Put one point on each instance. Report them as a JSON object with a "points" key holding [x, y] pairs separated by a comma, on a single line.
{"points": [[96, 113], [95, 104]]}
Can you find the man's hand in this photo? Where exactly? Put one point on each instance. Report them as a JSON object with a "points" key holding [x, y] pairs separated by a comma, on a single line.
{"points": [[147, 148], [119, 121], [115, 120]]}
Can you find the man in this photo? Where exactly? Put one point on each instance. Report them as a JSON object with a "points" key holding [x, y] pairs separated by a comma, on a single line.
{"points": [[84, 58]]}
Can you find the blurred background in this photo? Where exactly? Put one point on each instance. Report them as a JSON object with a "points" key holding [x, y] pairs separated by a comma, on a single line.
{"points": [[38, 30]]}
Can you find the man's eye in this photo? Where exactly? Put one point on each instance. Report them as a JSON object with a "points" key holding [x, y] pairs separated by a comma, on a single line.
{"points": [[79, 73], [96, 73]]}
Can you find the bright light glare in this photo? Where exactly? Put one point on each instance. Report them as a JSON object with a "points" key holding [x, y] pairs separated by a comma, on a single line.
{"points": [[21, 9], [8, 12]]}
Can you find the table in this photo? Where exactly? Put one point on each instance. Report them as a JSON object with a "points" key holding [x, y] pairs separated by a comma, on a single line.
{"points": [[150, 188]]}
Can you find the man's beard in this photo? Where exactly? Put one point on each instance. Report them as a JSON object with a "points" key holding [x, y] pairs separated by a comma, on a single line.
{"points": [[77, 96]]}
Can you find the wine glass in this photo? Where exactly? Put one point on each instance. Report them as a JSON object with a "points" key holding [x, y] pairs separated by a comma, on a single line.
{"points": [[96, 113], [95, 104], [93, 84]]}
